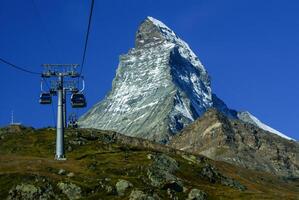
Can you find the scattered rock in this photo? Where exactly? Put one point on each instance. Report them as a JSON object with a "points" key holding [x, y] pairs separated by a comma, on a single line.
{"points": [[71, 174], [78, 141], [27, 191], [24, 191], [185, 189], [69, 148], [209, 172], [174, 185], [71, 190], [109, 189], [171, 194], [196, 194], [122, 186], [61, 172], [105, 187], [149, 156], [215, 177], [140, 195], [162, 169], [233, 183], [107, 179]]}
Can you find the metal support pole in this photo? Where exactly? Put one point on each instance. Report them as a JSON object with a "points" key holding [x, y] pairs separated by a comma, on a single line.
{"points": [[65, 73], [60, 123], [64, 108]]}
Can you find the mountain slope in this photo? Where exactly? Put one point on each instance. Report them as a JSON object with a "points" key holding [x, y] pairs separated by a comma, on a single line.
{"points": [[249, 118], [244, 144], [159, 88], [108, 165]]}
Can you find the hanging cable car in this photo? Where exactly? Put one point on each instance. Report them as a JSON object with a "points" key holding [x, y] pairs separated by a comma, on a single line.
{"points": [[45, 98], [78, 100]]}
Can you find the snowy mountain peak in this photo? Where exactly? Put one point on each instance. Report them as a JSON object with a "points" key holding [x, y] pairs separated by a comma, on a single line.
{"points": [[249, 118], [158, 23], [160, 87], [152, 32]]}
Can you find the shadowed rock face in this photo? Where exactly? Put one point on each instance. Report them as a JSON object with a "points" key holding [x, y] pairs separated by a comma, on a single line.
{"points": [[244, 144], [160, 87]]}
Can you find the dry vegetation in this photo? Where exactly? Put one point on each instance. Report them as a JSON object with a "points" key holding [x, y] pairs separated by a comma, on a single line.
{"points": [[26, 156]]}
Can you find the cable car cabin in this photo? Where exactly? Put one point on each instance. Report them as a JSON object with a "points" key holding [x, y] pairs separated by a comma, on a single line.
{"points": [[45, 98], [78, 100]]}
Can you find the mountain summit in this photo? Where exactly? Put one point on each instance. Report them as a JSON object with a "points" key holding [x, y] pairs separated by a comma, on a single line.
{"points": [[160, 87]]}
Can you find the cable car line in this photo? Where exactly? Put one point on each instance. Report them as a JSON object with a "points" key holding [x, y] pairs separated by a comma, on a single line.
{"points": [[18, 67], [87, 35], [78, 99]]}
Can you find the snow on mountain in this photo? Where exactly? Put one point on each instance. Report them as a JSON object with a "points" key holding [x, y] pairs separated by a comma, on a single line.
{"points": [[160, 87], [249, 118]]}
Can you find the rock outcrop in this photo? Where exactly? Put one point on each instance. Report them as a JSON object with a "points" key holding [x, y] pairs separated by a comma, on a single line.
{"points": [[236, 142]]}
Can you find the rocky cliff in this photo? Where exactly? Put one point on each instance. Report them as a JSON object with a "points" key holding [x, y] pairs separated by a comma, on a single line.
{"points": [[237, 142]]}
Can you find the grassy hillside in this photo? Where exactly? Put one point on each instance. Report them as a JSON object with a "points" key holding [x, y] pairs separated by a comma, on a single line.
{"points": [[107, 165]]}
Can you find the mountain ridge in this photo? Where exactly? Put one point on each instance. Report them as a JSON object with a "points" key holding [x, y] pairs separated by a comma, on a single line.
{"points": [[244, 144], [246, 116]]}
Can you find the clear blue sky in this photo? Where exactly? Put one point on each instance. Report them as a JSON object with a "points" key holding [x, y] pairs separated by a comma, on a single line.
{"points": [[250, 48]]}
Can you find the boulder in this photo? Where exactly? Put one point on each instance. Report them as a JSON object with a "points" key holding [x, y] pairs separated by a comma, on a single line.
{"points": [[26, 191], [121, 186], [140, 195], [196, 194], [61, 172], [161, 170], [71, 190]]}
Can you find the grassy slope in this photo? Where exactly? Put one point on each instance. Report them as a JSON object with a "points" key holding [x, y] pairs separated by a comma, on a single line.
{"points": [[28, 154]]}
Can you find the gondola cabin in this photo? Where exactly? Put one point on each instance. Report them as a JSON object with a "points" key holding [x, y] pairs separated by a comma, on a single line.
{"points": [[78, 100], [45, 98]]}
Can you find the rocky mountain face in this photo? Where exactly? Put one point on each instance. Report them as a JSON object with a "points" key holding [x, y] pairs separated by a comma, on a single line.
{"points": [[160, 87], [236, 142], [247, 117]]}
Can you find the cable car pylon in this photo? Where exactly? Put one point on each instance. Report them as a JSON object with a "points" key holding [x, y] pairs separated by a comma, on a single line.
{"points": [[64, 79]]}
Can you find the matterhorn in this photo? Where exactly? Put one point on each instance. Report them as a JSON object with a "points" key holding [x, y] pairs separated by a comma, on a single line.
{"points": [[160, 87]]}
